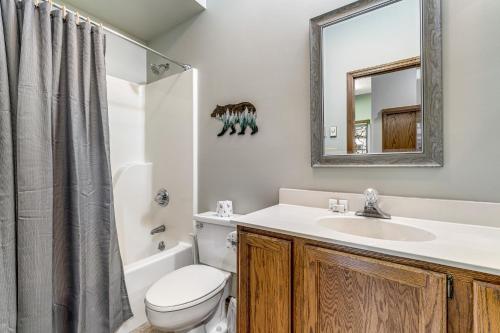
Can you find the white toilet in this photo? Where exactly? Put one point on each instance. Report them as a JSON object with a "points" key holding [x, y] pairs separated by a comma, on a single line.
{"points": [[192, 298]]}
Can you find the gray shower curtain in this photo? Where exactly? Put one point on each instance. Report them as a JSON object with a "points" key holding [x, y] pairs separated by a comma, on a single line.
{"points": [[60, 266]]}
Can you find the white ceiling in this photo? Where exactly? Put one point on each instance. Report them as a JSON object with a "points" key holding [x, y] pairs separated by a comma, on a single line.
{"points": [[144, 19]]}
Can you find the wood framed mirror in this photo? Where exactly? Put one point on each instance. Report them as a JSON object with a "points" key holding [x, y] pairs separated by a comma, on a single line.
{"points": [[376, 85]]}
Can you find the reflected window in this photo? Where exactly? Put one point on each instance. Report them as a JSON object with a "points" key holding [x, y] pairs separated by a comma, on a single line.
{"points": [[361, 136]]}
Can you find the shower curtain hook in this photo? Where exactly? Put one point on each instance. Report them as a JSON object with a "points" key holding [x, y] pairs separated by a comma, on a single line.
{"points": [[64, 11], [77, 18]]}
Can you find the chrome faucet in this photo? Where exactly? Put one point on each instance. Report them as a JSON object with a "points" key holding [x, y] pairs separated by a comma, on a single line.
{"points": [[159, 229], [371, 208]]}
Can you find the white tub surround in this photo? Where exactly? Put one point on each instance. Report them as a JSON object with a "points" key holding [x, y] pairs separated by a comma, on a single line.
{"points": [[133, 194], [467, 246], [153, 139]]}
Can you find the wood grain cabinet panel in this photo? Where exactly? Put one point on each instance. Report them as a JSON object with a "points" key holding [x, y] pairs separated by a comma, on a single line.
{"points": [[350, 293], [486, 307], [265, 279]]}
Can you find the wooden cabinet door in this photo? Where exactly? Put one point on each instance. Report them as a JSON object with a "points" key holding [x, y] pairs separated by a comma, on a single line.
{"points": [[350, 293], [264, 284], [486, 308]]}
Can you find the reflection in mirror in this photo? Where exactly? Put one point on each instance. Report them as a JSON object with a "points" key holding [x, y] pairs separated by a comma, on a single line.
{"points": [[372, 82], [384, 108]]}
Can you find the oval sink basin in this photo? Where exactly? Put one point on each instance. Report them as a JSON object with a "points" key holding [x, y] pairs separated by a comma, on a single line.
{"points": [[375, 228]]}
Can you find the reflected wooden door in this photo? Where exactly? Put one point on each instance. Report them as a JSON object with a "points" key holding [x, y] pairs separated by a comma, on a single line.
{"points": [[399, 129]]}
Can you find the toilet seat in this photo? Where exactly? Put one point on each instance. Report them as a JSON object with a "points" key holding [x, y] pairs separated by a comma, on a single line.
{"points": [[185, 288]]}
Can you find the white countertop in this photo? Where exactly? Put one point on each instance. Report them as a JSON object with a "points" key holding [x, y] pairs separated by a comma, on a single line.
{"points": [[459, 245]]}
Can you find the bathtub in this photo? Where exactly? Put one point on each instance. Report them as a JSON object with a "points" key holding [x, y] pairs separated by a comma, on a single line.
{"points": [[140, 275]]}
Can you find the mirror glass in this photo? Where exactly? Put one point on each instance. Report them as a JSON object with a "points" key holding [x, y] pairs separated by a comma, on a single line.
{"points": [[372, 86]]}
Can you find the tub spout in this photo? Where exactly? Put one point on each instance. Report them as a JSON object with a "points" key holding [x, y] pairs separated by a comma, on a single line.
{"points": [[159, 229]]}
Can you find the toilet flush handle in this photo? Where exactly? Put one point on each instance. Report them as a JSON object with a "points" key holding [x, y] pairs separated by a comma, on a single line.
{"points": [[232, 240]]}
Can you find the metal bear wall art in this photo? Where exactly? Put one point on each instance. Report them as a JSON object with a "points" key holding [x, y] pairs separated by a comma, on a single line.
{"points": [[244, 114]]}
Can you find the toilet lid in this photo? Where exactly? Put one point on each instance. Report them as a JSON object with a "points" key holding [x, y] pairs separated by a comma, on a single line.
{"points": [[185, 287]]}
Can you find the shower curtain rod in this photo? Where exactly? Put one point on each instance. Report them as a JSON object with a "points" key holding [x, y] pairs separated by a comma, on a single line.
{"points": [[116, 33]]}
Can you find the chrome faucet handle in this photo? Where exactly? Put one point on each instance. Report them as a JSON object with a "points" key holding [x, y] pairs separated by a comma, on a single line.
{"points": [[371, 197], [162, 198], [371, 208]]}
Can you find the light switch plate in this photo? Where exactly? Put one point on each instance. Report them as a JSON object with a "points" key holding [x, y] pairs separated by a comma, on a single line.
{"points": [[333, 131]]}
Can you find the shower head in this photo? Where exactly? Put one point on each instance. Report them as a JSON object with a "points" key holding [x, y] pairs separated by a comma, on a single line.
{"points": [[159, 69]]}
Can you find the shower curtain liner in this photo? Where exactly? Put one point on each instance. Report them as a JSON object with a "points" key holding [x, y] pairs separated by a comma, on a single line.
{"points": [[60, 265]]}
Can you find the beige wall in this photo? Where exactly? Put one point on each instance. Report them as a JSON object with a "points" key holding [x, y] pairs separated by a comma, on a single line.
{"points": [[258, 51]]}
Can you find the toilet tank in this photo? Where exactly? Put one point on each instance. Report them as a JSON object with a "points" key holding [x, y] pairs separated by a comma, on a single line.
{"points": [[213, 250]]}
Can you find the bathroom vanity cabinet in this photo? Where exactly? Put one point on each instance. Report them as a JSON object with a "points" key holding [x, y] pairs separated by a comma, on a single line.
{"points": [[292, 284]]}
